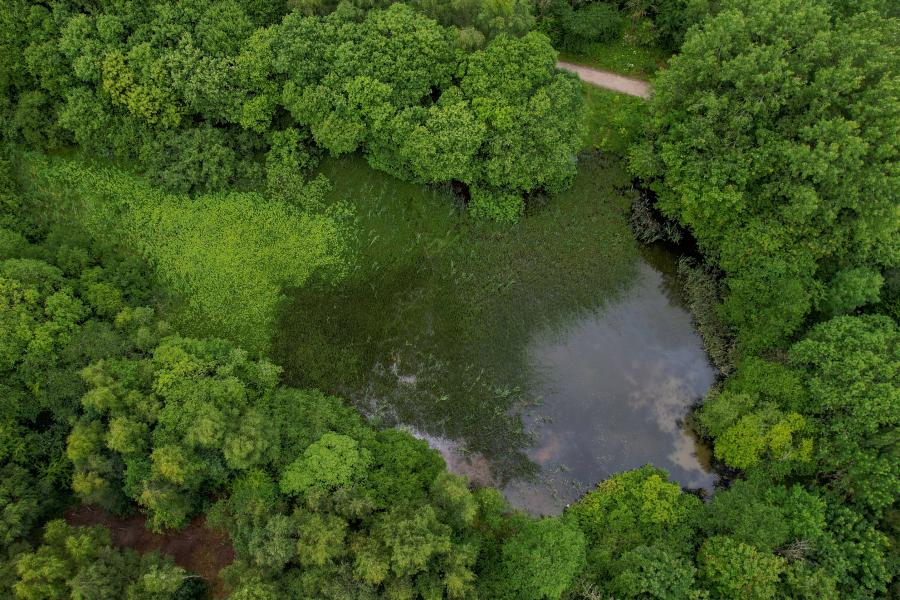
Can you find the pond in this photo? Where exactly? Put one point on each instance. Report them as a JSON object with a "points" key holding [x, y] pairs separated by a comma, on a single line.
{"points": [[616, 387], [541, 358]]}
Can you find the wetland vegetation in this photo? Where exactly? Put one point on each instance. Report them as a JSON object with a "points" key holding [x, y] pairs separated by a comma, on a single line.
{"points": [[367, 299]]}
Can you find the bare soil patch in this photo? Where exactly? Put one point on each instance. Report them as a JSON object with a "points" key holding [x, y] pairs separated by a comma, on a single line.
{"points": [[196, 548]]}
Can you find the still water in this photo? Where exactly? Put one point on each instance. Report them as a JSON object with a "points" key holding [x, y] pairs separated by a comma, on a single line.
{"points": [[541, 358], [616, 387]]}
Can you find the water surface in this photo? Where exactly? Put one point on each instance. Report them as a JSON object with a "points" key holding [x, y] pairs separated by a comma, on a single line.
{"points": [[616, 387], [540, 358]]}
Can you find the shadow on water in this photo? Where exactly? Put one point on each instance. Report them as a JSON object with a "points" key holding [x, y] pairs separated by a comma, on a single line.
{"points": [[542, 357]]}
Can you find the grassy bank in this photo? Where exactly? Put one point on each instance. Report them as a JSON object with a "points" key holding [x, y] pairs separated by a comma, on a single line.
{"points": [[619, 57]]}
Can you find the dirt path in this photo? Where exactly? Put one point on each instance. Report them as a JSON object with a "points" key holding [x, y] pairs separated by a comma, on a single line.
{"points": [[610, 81], [196, 548]]}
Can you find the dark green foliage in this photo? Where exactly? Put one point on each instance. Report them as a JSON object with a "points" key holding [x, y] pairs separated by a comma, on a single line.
{"points": [[653, 572], [541, 559], [193, 94], [771, 138], [764, 143], [58, 300], [597, 22], [195, 159], [631, 510], [767, 517], [703, 291], [732, 570], [475, 20], [850, 366], [766, 134], [574, 24]]}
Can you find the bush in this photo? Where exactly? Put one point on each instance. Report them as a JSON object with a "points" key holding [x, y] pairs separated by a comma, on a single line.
{"points": [[598, 22], [500, 207]]}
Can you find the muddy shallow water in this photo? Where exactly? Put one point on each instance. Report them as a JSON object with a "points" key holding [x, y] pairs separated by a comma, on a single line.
{"points": [[541, 358]]}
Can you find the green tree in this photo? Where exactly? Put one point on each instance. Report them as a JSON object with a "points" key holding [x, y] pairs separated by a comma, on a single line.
{"points": [[735, 571], [331, 462], [636, 508], [163, 429], [531, 110], [850, 366], [542, 558], [763, 136], [653, 572], [80, 562], [767, 517]]}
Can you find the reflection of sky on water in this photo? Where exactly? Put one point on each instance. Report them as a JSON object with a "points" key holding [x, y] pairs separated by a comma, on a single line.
{"points": [[616, 387]]}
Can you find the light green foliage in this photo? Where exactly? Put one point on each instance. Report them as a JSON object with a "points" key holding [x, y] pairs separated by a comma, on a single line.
{"points": [[762, 433], [451, 493], [423, 541], [322, 538], [401, 544], [755, 421], [803, 582], [165, 427], [612, 121], [636, 508], [37, 315], [341, 113], [333, 461], [500, 207], [150, 101], [225, 257], [274, 544], [733, 570], [773, 130], [851, 367], [80, 562], [630, 510]]}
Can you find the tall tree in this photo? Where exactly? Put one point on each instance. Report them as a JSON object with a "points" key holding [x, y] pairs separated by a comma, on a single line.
{"points": [[775, 129]]}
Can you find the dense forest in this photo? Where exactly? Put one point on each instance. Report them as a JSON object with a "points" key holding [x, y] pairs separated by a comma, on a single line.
{"points": [[160, 192]]}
